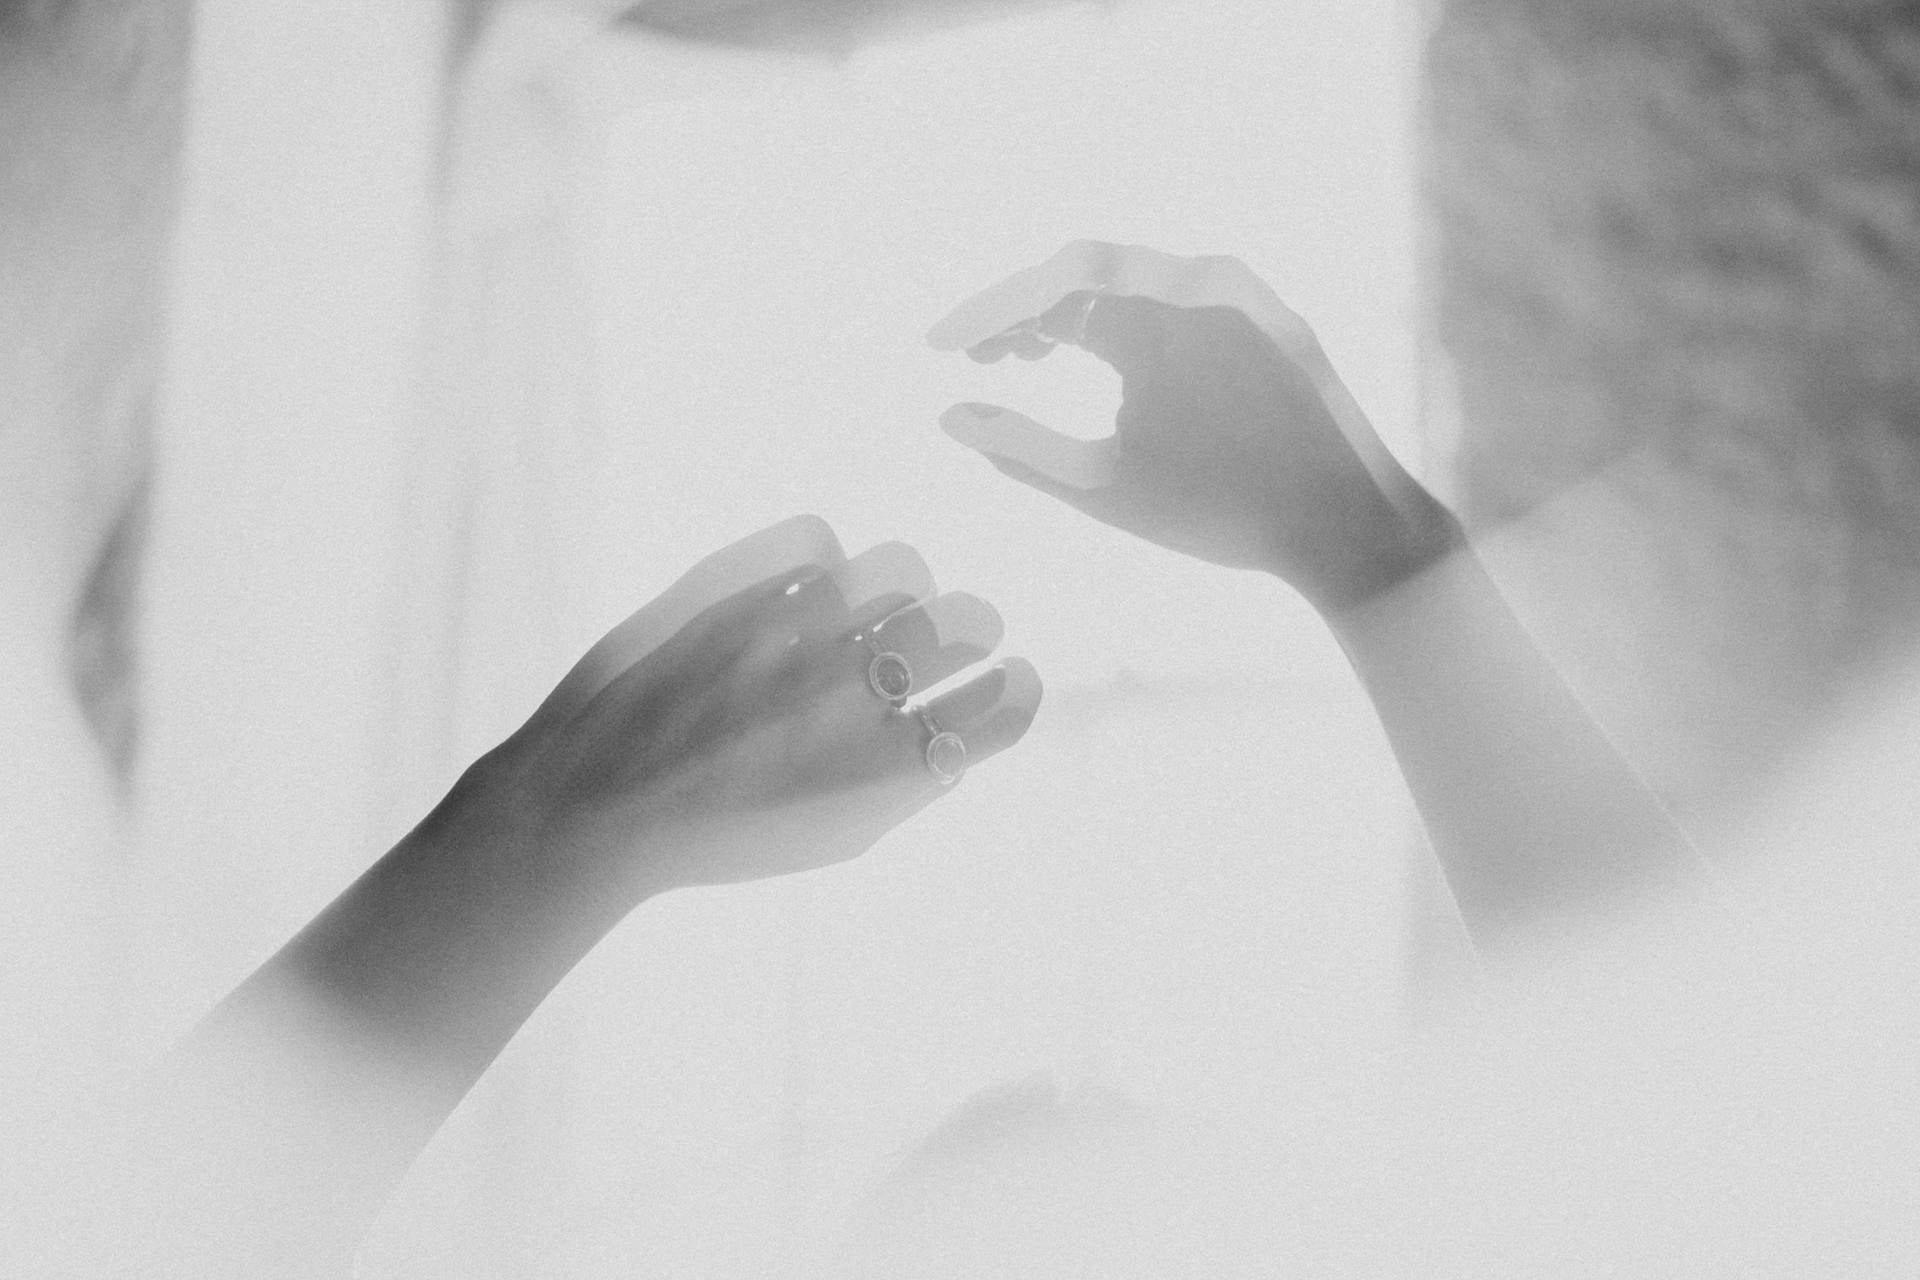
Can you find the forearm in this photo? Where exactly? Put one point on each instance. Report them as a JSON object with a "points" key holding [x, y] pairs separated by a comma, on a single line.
{"points": [[287, 1117], [1536, 819], [442, 948], [1240, 444], [725, 732]]}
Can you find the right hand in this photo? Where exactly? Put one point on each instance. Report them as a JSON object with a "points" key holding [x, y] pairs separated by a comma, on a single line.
{"points": [[727, 731], [1236, 441]]}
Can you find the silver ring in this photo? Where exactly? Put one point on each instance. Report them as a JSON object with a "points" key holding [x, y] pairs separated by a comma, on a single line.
{"points": [[889, 674], [946, 751]]}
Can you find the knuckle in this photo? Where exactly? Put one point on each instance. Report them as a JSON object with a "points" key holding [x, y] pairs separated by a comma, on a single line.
{"points": [[965, 617], [810, 524], [768, 651], [1224, 264], [1090, 260], [896, 564], [813, 535], [1023, 687]]}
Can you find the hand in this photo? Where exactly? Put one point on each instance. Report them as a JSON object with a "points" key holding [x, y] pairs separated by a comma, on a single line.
{"points": [[1235, 442], [728, 731]]}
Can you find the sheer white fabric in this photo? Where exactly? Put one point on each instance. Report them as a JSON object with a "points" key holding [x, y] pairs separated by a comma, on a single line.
{"points": [[431, 429], [424, 448]]}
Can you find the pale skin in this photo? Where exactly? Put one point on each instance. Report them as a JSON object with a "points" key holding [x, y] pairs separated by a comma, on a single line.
{"points": [[285, 1119], [725, 732], [1237, 443]]}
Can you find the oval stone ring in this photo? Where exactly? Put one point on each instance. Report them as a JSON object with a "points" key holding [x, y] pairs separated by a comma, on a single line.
{"points": [[946, 751], [889, 675]]}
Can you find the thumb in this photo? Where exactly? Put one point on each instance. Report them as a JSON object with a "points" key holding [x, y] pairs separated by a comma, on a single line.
{"points": [[1075, 471]]}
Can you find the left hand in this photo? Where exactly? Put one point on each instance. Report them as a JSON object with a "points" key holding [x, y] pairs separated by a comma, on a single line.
{"points": [[1236, 441], [728, 731]]}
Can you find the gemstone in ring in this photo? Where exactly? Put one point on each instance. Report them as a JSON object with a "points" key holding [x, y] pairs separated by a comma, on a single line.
{"points": [[889, 674], [946, 751]]}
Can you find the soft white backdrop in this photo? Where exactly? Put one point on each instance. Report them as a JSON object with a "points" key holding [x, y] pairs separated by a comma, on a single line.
{"points": [[1187, 883], [419, 449]]}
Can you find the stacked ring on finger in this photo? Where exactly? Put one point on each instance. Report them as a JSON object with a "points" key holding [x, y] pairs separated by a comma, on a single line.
{"points": [[946, 751], [911, 649], [889, 674]]}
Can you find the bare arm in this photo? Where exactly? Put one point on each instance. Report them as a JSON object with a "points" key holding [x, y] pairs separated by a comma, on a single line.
{"points": [[1238, 444], [1538, 821], [727, 732]]}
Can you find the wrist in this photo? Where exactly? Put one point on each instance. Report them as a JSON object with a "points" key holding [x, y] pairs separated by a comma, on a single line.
{"points": [[1413, 533], [531, 859], [451, 939]]}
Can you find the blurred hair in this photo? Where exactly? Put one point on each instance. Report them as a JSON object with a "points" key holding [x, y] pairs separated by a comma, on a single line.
{"points": [[831, 27]]}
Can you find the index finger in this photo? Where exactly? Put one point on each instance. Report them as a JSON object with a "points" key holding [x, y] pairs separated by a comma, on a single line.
{"points": [[1095, 266]]}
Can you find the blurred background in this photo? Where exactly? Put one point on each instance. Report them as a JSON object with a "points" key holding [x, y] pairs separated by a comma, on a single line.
{"points": [[671, 293], [485, 320]]}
